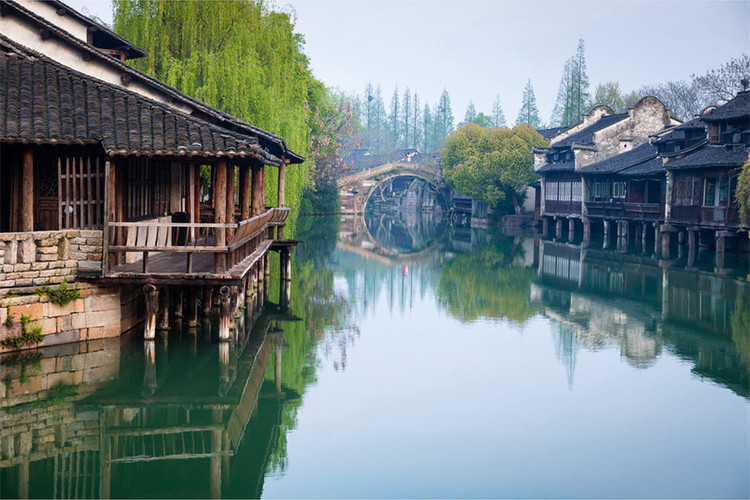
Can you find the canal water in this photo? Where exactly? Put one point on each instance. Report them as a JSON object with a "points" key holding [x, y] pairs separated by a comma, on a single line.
{"points": [[412, 359]]}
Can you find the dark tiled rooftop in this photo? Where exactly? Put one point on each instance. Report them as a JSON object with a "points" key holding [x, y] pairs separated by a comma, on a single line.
{"points": [[561, 166], [549, 133], [654, 166], [622, 161], [44, 102], [712, 156], [739, 107], [586, 136]]}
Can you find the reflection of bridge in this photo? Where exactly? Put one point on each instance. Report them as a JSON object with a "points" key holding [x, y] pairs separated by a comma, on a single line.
{"points": [[357, 188], [354, 237]]}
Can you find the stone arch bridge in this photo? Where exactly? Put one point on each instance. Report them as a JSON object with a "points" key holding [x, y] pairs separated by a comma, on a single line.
{"points": [[356, 189]]}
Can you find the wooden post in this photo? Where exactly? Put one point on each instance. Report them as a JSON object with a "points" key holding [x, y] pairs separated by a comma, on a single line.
{"points": [[282, 195], [220, 211], [666, 240], [163, 309], [192, 307], [230, 196], [586, 232], [558, 228], [225, 312], [151, 294], [545, 227], [208, 294], [110, 214], [257, 194], [657, 238], [571, 229], [285, 293], [286, 264], [177, 297], [605, 243], [244, 191], [27, 191]]}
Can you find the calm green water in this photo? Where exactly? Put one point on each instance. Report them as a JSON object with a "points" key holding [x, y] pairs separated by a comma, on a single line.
{"points": [[413, 360]]}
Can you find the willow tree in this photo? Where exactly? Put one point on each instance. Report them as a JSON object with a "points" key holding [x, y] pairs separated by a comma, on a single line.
{"points": [[239, 57]]}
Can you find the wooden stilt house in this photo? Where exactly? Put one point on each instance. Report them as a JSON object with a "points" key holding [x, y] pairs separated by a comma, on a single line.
{"points": [[111, 176]]}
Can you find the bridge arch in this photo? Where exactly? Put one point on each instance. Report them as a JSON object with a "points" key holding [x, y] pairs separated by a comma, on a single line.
{"points": [[356, 189]]}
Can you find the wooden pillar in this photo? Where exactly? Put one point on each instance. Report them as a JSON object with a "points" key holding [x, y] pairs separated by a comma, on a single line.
{"points": [[545, 227], [586, 232], [571, 229], [558, 228], [208, 294], [721, 242], [163, 323], [230, 201], [27, 191], [244, 191], [225, 312], [220, 210], [644, 237], [177, 299], [109, 235], [257, 194], [192, 305], [282, 196], [666, 241], [285, 293], [286, 264], [657, 238], [691, 248], [151, 294]]}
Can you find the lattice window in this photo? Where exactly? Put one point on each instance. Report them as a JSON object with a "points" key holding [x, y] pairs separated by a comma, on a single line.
{"points": [[81, 192], [576, 191], [140, 189]]}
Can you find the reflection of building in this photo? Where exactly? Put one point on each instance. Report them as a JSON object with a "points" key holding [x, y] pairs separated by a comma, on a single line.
{"points": [[607, 297], [93, 423]]}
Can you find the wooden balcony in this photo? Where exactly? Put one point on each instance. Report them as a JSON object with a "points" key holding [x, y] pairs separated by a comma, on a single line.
{"points": [[161, 250], [625, 210], [562, 208]]}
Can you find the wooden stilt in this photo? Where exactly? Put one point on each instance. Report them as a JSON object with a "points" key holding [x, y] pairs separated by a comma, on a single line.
{"points": [[192, 305], [178, 296], [225, 312], [27, 190], [208, 294], [163, 323], [151, 294]]}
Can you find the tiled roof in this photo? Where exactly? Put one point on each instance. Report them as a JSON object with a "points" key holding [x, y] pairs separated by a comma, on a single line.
{"points": [[549, 133], [269, 141], [712, 156], [586, 136], [622, 161], [739, 107], [560, 166], [44, 102], [654, 166]]}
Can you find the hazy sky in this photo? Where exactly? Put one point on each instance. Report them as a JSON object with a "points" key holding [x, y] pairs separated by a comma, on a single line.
{"points": [[480, 49]]}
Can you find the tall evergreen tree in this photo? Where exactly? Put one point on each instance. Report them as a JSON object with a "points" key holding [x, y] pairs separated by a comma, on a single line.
{"points": [[498, 117], [417, 135], [427, 128], [406, 113], [528, 114], [562, 113], [394, 123], [379, 120], [471, 113], [580, 95], [443, 120], [368, 102]]}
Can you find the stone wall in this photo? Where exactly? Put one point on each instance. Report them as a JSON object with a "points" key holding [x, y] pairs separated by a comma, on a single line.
{"points": [[34, 264], [48, 257]]}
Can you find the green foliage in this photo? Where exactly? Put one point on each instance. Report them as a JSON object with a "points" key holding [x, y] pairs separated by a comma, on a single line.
{"points": [[239, 57], [740, 321], [498, 117], [608, 94], [742, 192], [529, 113], [323, 198], [491, 165], [62, 295], [27, 336]]}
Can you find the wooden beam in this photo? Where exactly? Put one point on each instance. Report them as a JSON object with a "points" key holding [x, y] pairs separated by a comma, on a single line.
{"points": [[258, 191], [27, 191], [220, 210], [244, 191]]}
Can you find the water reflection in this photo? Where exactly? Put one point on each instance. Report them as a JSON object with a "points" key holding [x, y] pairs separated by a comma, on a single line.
{"points": [[188, 416]]}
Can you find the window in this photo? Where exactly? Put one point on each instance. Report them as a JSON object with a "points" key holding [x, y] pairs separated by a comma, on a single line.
{"points": [[709, 195], [686, 191], [618, 189], [576, 191], [550, 193], [565, 191]]}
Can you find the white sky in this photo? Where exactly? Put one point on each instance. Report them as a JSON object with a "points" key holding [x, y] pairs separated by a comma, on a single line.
{"points": [[479, 49]]}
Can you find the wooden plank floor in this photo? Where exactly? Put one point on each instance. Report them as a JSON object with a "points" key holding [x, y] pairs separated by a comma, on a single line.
{"points": [[174, 266]]}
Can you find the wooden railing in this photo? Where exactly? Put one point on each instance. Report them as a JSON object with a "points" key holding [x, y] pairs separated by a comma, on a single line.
{"points": [[242, 239], [562, 207]]}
